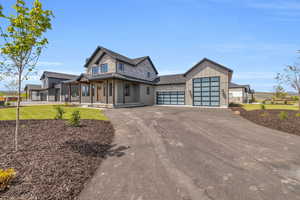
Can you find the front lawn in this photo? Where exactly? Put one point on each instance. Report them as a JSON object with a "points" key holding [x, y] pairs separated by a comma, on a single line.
{"points": [[249, 107], [48, 112]]}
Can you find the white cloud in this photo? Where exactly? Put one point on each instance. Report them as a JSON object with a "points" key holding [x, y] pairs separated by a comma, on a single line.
{"points": [[49, 64]]}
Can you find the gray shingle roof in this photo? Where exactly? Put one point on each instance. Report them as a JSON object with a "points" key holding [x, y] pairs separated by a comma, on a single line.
{"points": [[58, 75], [109, 75], [32, 87], [171, 79], [208, 60], [119, 57]]}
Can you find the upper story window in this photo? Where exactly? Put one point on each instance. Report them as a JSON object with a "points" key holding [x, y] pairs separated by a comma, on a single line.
{"points": [[148, 74], [95, 70], [121, 67], [104, 68]]}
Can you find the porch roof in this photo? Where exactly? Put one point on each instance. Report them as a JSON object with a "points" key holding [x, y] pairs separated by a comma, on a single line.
{"points": [[108, 76]]}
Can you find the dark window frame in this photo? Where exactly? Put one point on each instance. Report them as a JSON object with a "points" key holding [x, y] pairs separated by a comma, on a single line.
{"points": [[148, 91], [121, 67], [127, 89], [110, 89], [104, 68]]}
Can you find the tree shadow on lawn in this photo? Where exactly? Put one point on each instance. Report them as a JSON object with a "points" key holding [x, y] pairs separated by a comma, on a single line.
{"points": [[95, 149]]}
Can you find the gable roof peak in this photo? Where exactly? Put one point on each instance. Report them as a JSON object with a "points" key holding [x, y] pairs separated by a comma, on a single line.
{"points": [[208, 60]]}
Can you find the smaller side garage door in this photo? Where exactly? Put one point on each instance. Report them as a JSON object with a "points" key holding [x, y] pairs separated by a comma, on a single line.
{"points": [[170, 98]]}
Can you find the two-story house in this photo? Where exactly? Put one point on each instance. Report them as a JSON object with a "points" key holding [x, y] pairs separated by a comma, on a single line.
{"points": [[114, 80]]}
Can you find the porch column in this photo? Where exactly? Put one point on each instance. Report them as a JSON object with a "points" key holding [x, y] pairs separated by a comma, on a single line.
{"points": [[79, 93], [123, 92], [70, 93], [106, 91], [91, 92], [113, 87]]}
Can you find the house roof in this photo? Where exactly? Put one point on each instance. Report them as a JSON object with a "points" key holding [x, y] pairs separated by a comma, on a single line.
{"points": [[117, 56], [32, 87], [109, 75], [58, 75], [247, 87], [208, 60], [171, 79]]}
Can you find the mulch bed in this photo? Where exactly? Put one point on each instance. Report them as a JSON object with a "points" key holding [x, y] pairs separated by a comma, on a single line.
{"points": [[54, 160], [270, 119]]}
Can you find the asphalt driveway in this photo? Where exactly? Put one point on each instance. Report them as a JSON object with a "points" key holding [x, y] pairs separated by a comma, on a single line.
{"points": [[193, 154]]}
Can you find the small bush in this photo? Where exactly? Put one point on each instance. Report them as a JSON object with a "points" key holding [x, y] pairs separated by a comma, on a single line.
{"points": [[297, 115], [262, 107], [234, 105], [59, 112], [75, 118], [6, 176], [264, 102], [283, 115], [7, 104]]}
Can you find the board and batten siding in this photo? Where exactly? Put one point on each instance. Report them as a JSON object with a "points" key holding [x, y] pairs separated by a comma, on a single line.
{"points": [[139, 71], [106, 59], [208, 69]]}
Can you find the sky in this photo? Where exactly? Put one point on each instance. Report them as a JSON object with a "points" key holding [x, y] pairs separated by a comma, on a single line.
{"points": [[255, 38]]}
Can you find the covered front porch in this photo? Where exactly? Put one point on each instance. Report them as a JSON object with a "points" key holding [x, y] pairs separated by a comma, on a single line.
{"points": [[105, 93]]}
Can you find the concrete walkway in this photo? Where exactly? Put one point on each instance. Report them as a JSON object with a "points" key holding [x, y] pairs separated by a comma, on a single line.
{"points": [[194, 154]]}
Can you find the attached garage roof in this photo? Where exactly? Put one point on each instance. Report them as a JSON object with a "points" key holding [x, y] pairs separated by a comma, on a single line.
{"points": [[58, 75], [171, 79]]}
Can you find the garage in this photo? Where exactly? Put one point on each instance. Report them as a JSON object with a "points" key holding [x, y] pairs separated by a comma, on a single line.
{"points": [[206, 91], [170, 98]]}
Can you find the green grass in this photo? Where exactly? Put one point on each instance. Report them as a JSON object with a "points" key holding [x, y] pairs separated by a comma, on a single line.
{"points": [[270, 107], [48, 112]]}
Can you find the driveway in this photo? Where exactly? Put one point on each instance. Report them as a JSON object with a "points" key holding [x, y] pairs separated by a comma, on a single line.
{"points": [[194, 154]]}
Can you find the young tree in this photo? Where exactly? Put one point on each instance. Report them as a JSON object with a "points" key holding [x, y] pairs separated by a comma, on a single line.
{"points": [[280, 92], [291, 77], [23, 40]]}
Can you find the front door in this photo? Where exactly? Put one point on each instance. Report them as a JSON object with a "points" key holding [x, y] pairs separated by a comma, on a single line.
{"points": [[98, 92]]}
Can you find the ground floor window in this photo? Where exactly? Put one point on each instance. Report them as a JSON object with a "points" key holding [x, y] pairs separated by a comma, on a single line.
{"points": [[127, 89], [148, 90], [85, 90], [110, 89], [206, 91], [170, 98]]}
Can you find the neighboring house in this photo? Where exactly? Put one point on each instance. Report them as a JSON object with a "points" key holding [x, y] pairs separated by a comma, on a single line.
{"points": [[32, 92], [51, 89], [114, 80], [240, 93]]}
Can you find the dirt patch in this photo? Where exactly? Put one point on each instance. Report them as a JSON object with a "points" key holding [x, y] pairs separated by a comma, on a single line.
{"points": [[270, 119], [54, 160]]}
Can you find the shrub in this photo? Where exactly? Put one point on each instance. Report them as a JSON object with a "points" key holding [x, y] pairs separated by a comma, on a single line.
{"points": [[234, 105], [7, 104], [6, 176], [264, 102], [283, 115], [75, 118], [59, 112], [297, 115], [262, 107]]}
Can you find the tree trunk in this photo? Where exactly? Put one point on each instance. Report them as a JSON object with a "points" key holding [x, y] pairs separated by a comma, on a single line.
{"points": [[18, 113], [299, 100]]}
